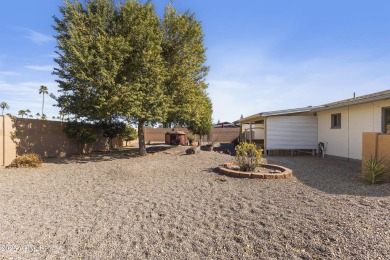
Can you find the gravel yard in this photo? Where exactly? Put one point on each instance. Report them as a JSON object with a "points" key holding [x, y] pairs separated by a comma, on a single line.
{"points": [[169, 205]]}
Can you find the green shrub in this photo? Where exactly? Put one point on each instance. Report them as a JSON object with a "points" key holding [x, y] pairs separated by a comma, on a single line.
{"points": [[248, 157], [81, 131], [27, 160], [191, 138], [374, 171]]}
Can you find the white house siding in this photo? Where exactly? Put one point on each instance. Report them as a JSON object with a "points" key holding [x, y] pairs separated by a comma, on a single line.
{"points": [[347, 141], [291, 132]]}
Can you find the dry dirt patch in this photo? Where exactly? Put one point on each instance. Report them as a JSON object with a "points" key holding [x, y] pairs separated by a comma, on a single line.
{"points": [[176, 206]]}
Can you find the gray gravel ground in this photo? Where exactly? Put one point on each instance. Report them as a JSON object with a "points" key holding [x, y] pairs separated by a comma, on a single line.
{"points": [[174, 206]]}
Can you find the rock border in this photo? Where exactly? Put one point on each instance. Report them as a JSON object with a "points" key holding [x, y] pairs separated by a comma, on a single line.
{"points": [[285, 172]]}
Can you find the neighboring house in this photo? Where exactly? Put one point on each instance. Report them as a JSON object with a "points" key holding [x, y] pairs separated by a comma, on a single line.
{"points": [[292, 129], [226, 125], [341, 124]]}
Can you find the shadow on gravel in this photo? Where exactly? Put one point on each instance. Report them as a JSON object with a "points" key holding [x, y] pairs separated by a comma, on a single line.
{"points": [[99, 156], [331, 175]]}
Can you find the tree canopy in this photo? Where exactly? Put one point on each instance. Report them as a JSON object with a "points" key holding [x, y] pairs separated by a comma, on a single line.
{"points": [[122, 62]]}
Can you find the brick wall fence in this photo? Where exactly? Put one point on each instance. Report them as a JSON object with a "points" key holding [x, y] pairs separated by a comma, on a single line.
{"points": [[42, 137], [20, 136], [221, 135]]}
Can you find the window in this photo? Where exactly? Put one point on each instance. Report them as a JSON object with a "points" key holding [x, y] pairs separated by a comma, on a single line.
{"points": [[335, 121], [386, 120]]}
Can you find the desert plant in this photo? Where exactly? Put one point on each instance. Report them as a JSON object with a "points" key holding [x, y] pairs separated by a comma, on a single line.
{"points": [[27, 160], [374, 171], [191, 138], [248, 157]]}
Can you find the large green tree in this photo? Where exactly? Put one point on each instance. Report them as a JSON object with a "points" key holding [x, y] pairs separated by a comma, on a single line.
{"points": [[185, 56], [122, 62], [90, 58], [143, 73]]}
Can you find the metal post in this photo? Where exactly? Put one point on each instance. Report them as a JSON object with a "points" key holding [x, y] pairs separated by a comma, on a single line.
{"points": [[250, 132]]}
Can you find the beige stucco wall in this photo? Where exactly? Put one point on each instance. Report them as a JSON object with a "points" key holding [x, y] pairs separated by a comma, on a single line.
{"points": [[45, 138], [347, 141], [7, 146]]}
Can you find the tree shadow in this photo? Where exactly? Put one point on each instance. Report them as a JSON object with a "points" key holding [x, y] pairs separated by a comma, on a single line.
{"points": [[99, 156], [331, 175]]}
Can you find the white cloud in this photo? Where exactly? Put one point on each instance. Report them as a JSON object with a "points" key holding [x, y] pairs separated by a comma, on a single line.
{"points": [[8, 73], [38, 37], [275, 84], [40, 68]]}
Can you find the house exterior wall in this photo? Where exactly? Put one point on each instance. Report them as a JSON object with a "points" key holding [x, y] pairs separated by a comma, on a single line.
{"points": [[291, 132], [347, 141]]}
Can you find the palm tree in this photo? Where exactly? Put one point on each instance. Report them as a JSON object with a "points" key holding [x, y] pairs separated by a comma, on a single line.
{"points": [[43, 91], [28, 112], [22, 113], [38, 115], [3, 106], [43, 117], [30, 116]]}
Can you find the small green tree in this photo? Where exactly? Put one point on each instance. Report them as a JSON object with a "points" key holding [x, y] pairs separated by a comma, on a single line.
{"points": [[112, 130], [200, 123], [130, 134], [82, 132]]}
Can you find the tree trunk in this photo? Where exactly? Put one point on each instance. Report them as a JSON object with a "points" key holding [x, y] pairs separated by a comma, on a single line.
{"points": [[200, 140], [141, 137], [43, 101]]}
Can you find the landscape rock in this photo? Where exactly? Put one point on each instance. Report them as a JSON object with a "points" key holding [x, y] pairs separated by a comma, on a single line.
{"points": [[193, 150]]}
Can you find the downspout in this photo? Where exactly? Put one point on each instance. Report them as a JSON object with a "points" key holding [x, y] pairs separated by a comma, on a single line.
{"points": [[250, 132], [265, 137], [348, 134]]}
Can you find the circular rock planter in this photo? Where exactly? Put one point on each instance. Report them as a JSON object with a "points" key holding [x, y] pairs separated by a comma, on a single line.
{"points": [[268, 171]]}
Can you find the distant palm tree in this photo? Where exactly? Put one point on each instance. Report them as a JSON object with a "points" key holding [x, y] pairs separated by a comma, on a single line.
{"points": [[30, 116], [54, 118], [43, 117], [38, 115], [22, 113], [3, 106], [43, 91], [28, 112]]}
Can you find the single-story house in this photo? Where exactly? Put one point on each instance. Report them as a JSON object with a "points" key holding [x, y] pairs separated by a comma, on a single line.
{"points": [[339, 125]]}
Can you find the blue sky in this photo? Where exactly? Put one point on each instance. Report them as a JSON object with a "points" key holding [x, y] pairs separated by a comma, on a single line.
{"points": [[263, 55]]}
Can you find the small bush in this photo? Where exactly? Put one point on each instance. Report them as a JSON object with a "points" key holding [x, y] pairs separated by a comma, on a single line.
{"points": [[374, 171], [191, 138], [27, 160], [248, 157]]}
